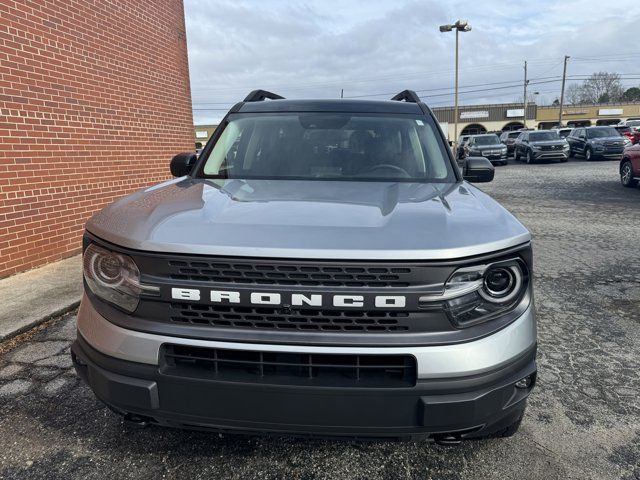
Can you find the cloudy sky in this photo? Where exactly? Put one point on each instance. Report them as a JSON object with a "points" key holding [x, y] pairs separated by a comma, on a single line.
{"points": [[373, 49]]}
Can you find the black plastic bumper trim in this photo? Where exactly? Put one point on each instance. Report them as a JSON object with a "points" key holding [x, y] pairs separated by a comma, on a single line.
{"points": [[476, 406]]}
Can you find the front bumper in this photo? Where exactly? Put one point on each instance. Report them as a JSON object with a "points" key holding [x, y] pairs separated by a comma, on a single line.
{"points": [[550, 154], [501, 157], [614, 154], [445, 400]]}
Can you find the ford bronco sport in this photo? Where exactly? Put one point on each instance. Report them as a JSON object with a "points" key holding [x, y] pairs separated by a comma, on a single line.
{"points": [[321, 268]]}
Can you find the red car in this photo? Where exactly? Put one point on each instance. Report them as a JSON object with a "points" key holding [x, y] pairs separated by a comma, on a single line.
{"points": [[631, 133], [630, 166]]}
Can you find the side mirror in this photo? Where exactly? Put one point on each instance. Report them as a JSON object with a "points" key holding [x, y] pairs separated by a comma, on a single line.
{"points": [[478, 170], [183, 163]]}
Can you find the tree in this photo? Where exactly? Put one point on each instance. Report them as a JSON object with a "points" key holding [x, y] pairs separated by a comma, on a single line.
{"points": [[600, 87], [632, 94], [603, 87], [556, 102], [573, 94]]}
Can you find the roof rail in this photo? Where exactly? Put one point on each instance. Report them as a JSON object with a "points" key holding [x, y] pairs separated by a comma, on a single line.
{"points": [[407, 96], [260, 95]]}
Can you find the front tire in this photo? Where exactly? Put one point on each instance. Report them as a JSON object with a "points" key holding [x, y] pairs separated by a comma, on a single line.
{"points": [[588, 154], [529, 158], [626, 175]]}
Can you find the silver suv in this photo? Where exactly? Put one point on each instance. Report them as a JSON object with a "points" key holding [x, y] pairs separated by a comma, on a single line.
{"points": [[321, 268]]}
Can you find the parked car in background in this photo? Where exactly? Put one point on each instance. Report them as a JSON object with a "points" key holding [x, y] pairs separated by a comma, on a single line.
{"points": [[634, 124], [630, 166], [487, 145], [532, 146], [596, 142], [563, 132], [462, 140], [509, 139], [631, 134]]}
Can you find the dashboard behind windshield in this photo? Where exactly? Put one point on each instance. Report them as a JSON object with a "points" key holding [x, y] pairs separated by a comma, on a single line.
{"points": [[330, 146]]}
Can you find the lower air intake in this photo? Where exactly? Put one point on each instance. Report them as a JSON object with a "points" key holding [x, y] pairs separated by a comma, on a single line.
{"points": [[276, 368]]}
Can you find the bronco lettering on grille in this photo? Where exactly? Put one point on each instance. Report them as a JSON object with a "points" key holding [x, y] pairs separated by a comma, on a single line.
{"points": [[293, 299]]}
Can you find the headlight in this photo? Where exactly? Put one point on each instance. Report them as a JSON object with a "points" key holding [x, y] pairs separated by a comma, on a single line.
{"points": [[535, 147], [565, 146], [112, 276], [481, 293]]}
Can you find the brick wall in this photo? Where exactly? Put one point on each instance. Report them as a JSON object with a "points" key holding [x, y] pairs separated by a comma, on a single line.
{"points": [[94, 101]]}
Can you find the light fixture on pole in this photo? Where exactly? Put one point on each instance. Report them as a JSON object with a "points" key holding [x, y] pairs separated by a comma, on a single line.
{"points": [[459, 26]]}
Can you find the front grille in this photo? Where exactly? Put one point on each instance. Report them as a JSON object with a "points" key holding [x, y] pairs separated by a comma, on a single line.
{"points": [[547, 148], [278, 368], [287, 319], [259, 272]]}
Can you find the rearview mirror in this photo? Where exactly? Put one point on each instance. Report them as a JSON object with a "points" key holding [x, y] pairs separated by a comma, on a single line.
{"points": [[183, 163], [478, 170]]}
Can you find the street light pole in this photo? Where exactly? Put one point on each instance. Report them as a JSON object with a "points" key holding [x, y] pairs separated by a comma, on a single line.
{"points": [[459, 26]]}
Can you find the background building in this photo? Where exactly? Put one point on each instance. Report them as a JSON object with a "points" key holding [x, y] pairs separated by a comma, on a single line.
{"points": [[587, 115], [474, 119], [203, 134], [94, 101]]}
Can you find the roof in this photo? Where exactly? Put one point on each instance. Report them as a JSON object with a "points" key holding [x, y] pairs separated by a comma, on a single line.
{"points": [[331, 105]]}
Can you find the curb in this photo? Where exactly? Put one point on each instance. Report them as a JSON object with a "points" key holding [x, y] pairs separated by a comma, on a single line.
{"points": [[26, 327]]}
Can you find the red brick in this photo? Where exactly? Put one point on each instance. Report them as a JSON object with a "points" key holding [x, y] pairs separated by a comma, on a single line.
{"points": [[94, 101]]}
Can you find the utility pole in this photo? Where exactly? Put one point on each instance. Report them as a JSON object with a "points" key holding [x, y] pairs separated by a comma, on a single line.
{"points": [[564, 78], [524, 122], [342, 93]]}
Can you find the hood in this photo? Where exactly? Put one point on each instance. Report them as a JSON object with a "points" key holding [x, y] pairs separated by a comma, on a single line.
{"points": [[488, 147], [560, 141], [310, 219]]}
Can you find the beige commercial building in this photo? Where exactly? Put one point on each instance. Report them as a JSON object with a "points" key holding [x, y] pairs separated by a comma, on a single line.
{"points": [[202, 134], [474, 119], [587, 115]]}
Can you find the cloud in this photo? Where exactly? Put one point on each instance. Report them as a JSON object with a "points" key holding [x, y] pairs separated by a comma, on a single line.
{"points": [[315, 49]]}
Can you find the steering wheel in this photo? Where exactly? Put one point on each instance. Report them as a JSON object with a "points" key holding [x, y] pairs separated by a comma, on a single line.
{"points": [[388, 166]]}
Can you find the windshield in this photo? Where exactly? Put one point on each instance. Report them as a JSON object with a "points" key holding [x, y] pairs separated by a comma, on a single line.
{"points": [[564, 133], [602, 132], [514, 134], [487, 140], [330, 146], [633, 123], [543, 136]]}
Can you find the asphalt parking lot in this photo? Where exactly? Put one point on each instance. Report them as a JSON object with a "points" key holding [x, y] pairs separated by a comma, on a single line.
{"points": [[583, 419]]}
